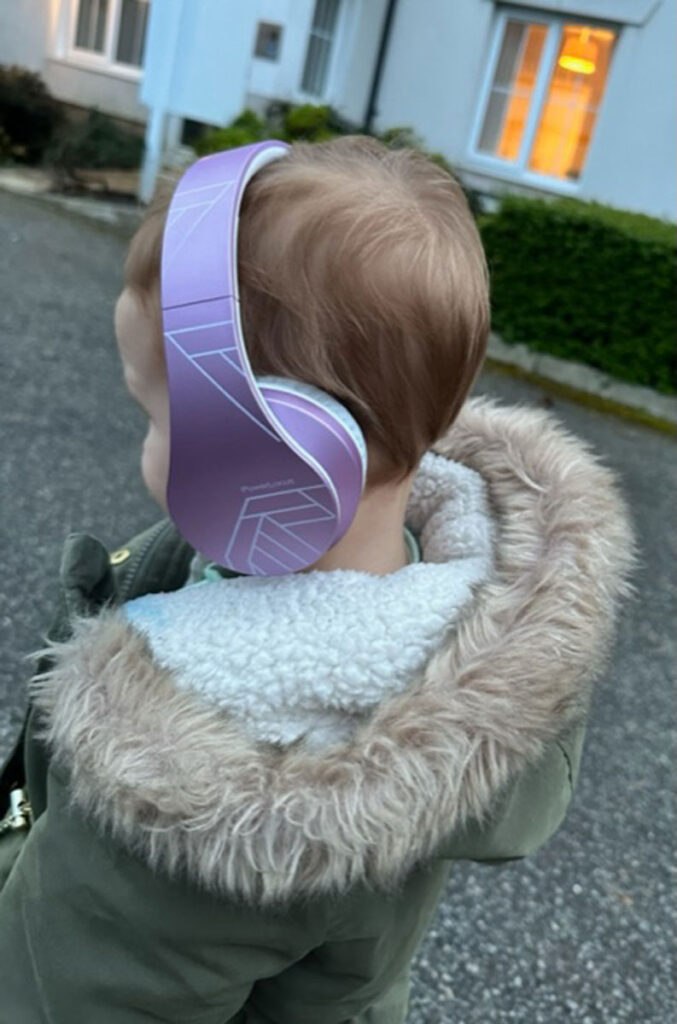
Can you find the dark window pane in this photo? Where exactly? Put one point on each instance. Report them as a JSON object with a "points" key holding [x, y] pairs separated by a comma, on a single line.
{"points": [[132, 32], [268, 40], [325, 15], [90, 31], [320, 42]]}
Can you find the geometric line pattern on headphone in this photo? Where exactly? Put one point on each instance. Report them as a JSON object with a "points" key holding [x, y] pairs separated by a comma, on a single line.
{"points": [[194, 357], [179, 208], [273, 532]]}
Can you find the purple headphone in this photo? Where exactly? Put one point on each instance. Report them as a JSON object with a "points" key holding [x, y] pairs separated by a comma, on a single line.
{"points": [[265, 473]]}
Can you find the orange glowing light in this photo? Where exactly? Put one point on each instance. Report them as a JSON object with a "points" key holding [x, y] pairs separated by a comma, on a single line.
{"points": [[577, 64], [580, 54], [568, 113]]}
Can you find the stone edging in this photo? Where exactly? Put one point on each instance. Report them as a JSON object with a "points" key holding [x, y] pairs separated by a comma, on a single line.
{"points": [[584, 384]]}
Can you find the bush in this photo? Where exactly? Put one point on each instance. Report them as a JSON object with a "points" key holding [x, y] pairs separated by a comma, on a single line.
{"points": [[309, 123], [283, 121], [29, 115], [586, 282], [96, 142], [246, 128]]}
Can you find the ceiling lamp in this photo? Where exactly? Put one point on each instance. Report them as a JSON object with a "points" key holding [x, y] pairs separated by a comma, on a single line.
{"points": [[579, 54]]}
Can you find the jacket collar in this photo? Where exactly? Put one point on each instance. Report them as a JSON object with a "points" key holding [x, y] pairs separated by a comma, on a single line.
{"points": [[307, 657]]}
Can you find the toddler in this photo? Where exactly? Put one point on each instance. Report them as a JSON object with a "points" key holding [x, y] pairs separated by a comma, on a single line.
{"points": [[247, 792]]}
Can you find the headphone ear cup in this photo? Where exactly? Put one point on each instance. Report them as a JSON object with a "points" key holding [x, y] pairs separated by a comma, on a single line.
{"points": [[327, 402], [328, 433]]}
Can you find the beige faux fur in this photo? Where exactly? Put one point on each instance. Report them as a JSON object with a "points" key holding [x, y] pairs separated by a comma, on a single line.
{"points": [[179, 783]]}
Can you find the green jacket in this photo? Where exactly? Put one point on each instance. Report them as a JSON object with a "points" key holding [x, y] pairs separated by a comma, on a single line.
{"points": [[178, 871]]}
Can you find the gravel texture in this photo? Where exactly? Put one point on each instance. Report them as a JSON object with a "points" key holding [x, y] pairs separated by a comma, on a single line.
{"points": [[582, 931]]}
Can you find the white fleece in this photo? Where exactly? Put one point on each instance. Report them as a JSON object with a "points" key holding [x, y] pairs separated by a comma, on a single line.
{"points": [[253, 645]]}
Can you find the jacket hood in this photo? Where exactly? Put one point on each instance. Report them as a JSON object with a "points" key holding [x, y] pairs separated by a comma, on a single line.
{"points": [[180, 782]]}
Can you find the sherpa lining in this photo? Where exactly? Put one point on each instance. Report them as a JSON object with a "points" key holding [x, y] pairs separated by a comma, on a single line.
{"points": [[253, 645], [179, 782]]}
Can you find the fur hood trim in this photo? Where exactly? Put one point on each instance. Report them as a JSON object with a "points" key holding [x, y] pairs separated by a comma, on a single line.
{"points": [[180, 784]]}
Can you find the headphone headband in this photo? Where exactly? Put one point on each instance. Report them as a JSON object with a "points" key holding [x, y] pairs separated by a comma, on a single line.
{"points": [[262, 479]]}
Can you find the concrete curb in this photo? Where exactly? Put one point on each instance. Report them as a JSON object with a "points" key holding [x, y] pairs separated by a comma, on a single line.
{"points": [[575, 381], [36, 184], [113, 214], [584, 384]]}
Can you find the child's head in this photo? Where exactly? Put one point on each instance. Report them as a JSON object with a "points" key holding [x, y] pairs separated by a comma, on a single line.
{"points": [[361, 272]]}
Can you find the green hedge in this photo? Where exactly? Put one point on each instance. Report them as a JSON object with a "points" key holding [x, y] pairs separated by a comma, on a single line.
{"points": [[96, 141], [586, 282]]}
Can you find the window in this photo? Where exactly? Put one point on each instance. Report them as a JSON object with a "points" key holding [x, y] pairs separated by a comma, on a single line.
{"points": [[318, 54], [268, 40], [545, 92], [91, 26], [132, 32], [110, 31]]}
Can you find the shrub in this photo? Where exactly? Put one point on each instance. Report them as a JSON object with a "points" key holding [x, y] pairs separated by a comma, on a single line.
{"points": [[309, 123], [98, 141], [250, 121], [247, 127], [218, 139], [586, 282], [29, 115], [282, 121], [401, 136]]}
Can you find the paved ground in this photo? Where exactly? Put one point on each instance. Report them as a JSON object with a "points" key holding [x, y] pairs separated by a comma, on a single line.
{"points": [[581, 932]]}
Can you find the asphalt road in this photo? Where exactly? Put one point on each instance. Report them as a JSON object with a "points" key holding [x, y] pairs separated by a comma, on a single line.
{"points": [[581, 932]]}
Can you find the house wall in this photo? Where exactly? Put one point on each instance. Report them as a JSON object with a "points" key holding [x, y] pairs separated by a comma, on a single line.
{"points": [[87, 88], [34, 34], [434, 70], [633, 155], [361, 51], [351, 68], [75, 79], [23, 33], [438, 61], [280, 79]]}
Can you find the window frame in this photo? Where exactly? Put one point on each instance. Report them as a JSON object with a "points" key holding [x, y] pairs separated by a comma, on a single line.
{"points": [[518, 170], [105, 61], [337, 43]]}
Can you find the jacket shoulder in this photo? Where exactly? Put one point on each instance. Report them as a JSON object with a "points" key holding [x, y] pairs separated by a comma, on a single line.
{"points": [[154, 560]]}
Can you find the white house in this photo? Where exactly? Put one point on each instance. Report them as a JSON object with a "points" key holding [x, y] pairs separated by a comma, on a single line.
{"points": [[573, 97]]}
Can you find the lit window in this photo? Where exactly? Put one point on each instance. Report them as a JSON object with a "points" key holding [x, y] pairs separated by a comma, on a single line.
{"points": [[558, 69], [572, 101], [322, 32], [268, 39]]}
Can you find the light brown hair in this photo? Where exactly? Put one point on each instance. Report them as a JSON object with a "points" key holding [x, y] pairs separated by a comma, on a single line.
{"points": [[361, 271]]}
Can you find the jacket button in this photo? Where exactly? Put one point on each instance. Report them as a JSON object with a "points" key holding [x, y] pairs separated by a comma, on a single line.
{"points": [[119, 556]]}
